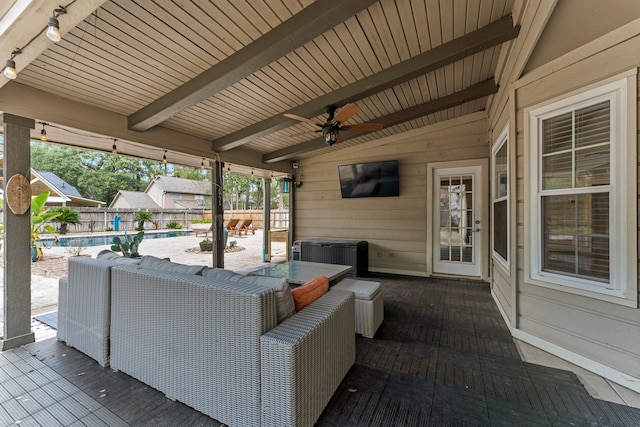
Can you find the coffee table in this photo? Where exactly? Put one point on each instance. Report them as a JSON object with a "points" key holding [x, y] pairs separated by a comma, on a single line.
{"points": [[300, 272]]}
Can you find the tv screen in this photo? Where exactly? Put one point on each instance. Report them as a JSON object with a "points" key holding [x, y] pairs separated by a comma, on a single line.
{"points": [[375, 179]]}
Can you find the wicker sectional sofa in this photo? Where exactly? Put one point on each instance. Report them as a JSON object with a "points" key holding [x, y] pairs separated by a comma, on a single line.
{"points": [[211, 341]]}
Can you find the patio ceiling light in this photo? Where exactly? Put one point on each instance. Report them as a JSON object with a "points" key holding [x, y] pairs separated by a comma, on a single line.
{"points": [[43, 133], [114, 149], [330, 134], [164, 157], [53, 27], [10, 69], [53, 33], [53, 30], [202, 164]]}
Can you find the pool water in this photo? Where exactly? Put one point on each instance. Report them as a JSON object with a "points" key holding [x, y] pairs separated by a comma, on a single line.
{"points": [[107, 239]]}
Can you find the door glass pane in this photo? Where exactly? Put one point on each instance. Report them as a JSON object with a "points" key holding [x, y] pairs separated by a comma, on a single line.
{"points": [[456, 219]]}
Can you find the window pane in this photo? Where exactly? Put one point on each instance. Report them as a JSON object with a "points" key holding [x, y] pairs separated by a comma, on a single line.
{"points": [[500, 177], [592, 125], [576, 235], [500, 228], [592, 166], [557, 134], [557, 171]]}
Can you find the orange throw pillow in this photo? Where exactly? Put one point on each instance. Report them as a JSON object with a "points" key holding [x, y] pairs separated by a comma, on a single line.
{"points": [[310, 291]]}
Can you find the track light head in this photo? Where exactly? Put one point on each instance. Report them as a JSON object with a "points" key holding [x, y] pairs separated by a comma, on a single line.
{"points": [[53, 29], [10, 69]]}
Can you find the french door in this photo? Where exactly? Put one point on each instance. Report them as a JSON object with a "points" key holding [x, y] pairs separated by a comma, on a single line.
{"points": [[457, 221]]}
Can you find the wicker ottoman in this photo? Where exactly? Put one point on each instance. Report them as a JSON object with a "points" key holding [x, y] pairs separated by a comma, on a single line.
{"points": [[369, 304]]}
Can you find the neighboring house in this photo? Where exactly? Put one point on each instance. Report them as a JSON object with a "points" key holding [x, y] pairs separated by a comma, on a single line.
{"points": [[133, 200], [168, 193], [61, 193], [178, 193]]}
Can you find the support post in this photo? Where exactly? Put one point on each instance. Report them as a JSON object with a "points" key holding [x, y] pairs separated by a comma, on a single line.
{"points": [[217, 212], [17, 230], [266, 219]]}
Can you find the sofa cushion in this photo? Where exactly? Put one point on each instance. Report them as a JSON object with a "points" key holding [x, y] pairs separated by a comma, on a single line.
{"points": [[310, 291], [109, 255], [284, 301], [150, 261]]}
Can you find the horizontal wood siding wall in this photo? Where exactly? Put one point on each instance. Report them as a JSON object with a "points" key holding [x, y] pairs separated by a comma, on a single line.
{"points": [[601, 331], [395, 227]]}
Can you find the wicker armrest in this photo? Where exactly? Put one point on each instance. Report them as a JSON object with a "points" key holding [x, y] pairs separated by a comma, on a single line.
{"points": [[304, 359], [85, 301]]}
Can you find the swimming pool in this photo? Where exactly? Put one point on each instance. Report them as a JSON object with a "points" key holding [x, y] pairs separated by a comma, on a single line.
{"points": [[107, 239]]}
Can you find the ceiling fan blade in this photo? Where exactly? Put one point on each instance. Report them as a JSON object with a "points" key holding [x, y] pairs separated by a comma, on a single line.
{"points": [[346, 113], [364, 127], [294, 135], [302, 119]]}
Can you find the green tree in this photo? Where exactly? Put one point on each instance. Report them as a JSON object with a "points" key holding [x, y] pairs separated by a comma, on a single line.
{"points": [[65, 217]]}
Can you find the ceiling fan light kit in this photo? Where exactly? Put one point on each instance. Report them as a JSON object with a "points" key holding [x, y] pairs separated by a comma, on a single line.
{"points": [[334, 124]]}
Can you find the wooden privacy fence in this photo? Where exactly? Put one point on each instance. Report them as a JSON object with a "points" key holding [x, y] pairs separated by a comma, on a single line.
{"points": [[100, 219]]}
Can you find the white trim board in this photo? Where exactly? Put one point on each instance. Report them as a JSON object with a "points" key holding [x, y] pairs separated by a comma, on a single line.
{"points": [[590, 365]]}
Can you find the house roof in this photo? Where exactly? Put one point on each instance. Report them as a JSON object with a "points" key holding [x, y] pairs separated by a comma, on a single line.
{"points": [[181, 185], [138, 199], [62, 186], [61, 192], [213, 81]]}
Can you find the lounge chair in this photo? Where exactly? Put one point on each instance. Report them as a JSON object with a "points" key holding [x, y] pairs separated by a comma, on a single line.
{"points": [[245, 227], [231, 226], [206, 232]]}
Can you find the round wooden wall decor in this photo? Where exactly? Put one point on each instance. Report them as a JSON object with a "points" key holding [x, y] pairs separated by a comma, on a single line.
{"points": [[18, 194]]}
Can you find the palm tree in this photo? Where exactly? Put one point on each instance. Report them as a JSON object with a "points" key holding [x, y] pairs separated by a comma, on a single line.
{"points": [[65, 217], [142, 217]]}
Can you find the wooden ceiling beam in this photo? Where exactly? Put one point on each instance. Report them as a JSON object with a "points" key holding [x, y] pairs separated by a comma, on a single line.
{"points": [[488, 36], [304, 26], [471, 93]]}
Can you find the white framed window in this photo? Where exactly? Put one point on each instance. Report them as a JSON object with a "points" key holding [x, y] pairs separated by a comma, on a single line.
{"points": [[580, 164], [500, 199]]}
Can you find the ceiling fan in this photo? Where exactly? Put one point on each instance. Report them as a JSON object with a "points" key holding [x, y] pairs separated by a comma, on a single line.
{"points": [[334, 124]]}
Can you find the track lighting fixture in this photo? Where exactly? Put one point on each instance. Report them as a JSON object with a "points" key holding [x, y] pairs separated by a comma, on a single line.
{"points": [[114, 149], [164, 157], [43, 133]]}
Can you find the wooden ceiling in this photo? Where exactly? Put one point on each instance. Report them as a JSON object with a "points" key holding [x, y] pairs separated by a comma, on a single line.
{"points": [[225, 71]]}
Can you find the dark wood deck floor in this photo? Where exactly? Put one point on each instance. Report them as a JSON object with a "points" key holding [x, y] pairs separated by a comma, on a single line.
{"points": [[443, 356]]}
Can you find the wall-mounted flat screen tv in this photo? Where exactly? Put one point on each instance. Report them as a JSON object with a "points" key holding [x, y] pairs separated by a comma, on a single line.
{"points": [[375, 179]]}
